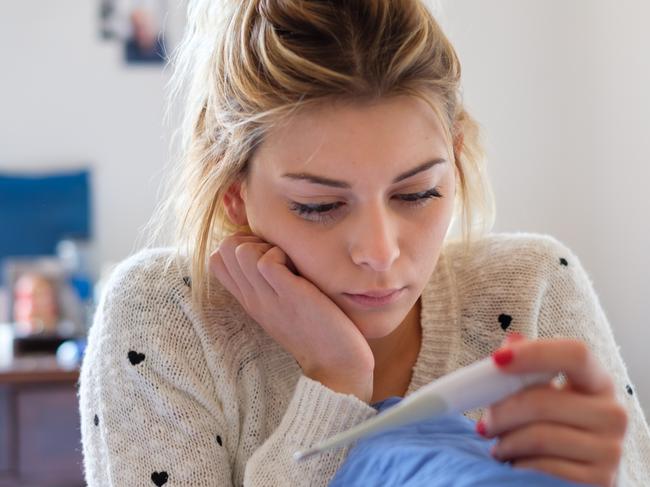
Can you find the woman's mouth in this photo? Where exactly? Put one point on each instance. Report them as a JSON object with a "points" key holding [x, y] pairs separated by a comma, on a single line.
{"points": [[375, 298]]}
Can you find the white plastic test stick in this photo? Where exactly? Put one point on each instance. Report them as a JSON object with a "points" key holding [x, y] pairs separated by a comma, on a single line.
{"points": [[477, 385]]}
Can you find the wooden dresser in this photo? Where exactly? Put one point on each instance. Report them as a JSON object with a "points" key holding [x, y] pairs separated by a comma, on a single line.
{"points": [[40, 438]]}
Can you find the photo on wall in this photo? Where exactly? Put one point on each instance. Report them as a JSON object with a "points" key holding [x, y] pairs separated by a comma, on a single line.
{"points": [[138, 25]]}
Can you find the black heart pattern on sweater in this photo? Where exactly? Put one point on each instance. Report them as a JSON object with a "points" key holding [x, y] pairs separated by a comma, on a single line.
{"points": [[219, 440], [159, 478], [563, 261], [187, 281], [629, 389], [505, 321], [135, 358], [96, 420]]}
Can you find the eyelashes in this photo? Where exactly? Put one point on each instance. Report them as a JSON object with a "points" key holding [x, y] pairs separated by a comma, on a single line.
{"points": [[326, 212]]}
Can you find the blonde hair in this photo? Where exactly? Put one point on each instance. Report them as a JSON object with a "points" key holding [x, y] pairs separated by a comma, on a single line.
{"points": [[243, 65]]}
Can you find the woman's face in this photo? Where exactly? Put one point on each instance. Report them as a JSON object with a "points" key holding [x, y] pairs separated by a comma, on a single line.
{"points": [[349, 193]]}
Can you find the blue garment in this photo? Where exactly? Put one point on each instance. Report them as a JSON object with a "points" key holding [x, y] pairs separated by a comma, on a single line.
{"points": [[444, 451]]}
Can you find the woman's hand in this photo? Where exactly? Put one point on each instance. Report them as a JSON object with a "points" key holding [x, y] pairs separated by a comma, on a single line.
{"points": [[295, 313], [575, 431]]}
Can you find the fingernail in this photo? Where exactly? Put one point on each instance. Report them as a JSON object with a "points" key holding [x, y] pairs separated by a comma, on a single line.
{"points": [[481, 429], [503, 356]]}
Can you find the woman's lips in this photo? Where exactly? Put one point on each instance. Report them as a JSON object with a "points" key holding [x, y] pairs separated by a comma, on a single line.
{"points": [[366, 301]]}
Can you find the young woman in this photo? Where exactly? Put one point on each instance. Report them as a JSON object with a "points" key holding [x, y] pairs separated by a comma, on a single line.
{"points": [[326, 152]]}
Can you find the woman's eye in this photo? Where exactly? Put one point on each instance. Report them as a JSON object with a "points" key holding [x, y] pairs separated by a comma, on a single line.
{"points": [[318, 212], [421, 198], [326, 212]]}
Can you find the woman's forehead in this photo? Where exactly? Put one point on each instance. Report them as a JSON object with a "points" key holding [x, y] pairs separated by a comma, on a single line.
{"points": [[396, 133]]}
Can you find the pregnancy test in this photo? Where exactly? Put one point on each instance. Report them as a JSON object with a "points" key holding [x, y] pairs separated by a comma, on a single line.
{"points": [[480, 384]]}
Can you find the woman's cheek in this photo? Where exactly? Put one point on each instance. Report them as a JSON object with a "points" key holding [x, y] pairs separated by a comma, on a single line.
{"points": [[308, 257]]}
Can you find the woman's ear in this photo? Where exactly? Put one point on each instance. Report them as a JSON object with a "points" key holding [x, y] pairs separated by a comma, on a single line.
{"points": [[235, 205]]}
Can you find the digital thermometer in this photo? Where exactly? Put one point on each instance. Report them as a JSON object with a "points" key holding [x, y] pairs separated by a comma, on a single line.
{"points": [[477, 385]]}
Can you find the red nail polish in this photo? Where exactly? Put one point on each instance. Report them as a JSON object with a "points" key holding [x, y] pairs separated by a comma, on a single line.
{"points": [[480, 428], [503, 356]]}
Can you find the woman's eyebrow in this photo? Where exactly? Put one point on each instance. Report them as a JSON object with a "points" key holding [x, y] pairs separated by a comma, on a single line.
{"points": [[312, 178]]}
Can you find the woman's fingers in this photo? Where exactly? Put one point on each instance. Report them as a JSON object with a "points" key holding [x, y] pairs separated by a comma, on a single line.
{"points": [[548, 404], [248, 254], [251, 266], [218, 268], [553, 440], [575, 432], [275, 266], [573, 357], [226, 255], [576, 472]]}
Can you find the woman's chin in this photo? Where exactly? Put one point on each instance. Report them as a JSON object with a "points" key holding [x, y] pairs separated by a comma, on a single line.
{"points": [[377, 324]]}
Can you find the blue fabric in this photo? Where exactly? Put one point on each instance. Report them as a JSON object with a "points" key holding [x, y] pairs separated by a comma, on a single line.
{"points": [[38, 210], [445, 451]]}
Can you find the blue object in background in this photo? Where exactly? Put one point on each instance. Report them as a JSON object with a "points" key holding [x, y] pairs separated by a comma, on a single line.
{"points": [[38, 210], [444, 451], [70, 353], [135, 54]]}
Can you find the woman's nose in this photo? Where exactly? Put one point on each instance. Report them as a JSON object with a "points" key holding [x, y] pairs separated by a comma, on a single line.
{"points": [[375, 242]]}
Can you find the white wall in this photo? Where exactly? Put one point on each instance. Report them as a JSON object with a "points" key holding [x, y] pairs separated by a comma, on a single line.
{"points": [[68, 99], [559, 86]]}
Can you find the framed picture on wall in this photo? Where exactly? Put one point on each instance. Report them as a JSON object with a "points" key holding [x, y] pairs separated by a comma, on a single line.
{"points": [[138, 25]]}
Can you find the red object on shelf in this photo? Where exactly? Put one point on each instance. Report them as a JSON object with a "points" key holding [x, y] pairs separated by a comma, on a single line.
{"points": [[35, 305]]}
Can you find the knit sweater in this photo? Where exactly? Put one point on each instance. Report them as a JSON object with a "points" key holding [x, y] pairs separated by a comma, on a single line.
{"points": [[171, 395]]}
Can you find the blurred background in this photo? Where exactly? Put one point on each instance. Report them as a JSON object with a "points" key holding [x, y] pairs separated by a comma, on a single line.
{"points": [[559, 86]]}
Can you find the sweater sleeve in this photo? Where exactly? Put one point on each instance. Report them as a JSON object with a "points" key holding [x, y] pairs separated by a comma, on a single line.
{"points": [[149, 412], [571, 308], [152, 413], [315, 413]]}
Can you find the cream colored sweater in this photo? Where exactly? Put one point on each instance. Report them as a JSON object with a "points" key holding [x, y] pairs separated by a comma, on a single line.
{"points": [[169, 396]]}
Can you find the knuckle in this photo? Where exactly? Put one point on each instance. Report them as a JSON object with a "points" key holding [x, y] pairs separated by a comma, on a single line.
{"points": [[265, 261], [227, 245], [493, 416], [529, 401], [243, 249], [603, 477], [262, 264], [581, 353], [619, 416], [539, 440], [614, 452], [522, 444], [535, 403], [214, 259], [504, 448], [609, 385], [499, 413]]}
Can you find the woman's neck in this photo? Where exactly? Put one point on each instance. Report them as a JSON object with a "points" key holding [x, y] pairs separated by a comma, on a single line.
{"points": [[396, 353]]}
